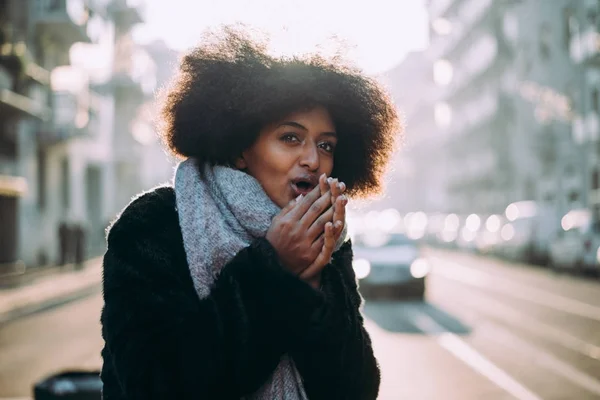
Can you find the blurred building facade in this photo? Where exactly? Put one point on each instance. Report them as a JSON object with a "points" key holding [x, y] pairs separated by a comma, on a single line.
{"points": [[74, 125], [584, 45], [500, 108]]}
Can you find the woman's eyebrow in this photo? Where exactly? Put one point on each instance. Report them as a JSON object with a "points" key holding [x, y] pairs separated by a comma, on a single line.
{"points": [[300, 126], [293, 124]]}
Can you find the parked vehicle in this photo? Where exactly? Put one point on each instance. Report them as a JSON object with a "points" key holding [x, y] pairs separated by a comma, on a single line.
{"points": [[528, 235], [577, 246], [490, 241], [390, 264]]}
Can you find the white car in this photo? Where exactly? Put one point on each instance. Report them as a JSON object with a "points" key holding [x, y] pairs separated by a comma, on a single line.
{"points": [[578, 243], [389, 264]]}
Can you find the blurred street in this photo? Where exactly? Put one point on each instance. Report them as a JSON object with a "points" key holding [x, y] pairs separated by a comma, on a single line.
{"points": [[488, 330]]}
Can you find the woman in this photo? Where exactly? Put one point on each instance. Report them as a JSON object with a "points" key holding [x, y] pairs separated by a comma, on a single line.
{"points": [[236, 282]]}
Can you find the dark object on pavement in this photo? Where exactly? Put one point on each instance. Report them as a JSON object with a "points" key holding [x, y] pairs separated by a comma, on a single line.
{"points": [[70, 385], [79, 235], [64, 243]]}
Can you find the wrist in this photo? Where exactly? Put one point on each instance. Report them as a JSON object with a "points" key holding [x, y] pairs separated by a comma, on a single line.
{"points": [[315, 282]]}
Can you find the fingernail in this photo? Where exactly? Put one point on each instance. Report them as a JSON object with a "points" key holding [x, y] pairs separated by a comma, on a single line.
{"points": [[329, 180], [342, 186], [323, 176], [299, 197]]}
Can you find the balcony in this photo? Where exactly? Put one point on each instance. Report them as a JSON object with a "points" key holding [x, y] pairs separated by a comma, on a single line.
{"points": [[16, 60], [10, 183], [476, 117], [586, 129], [469, 16], [438, 8], [126, 13], [134, 76], [15, 105], [591, 124], [62, 20], [12, 186], [479, 58], [585, 47]]}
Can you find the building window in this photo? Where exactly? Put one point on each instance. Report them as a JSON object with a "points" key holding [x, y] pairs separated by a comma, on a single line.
{"points": [[545, 40], [65, 184], [571, 26], [592, 15], [570, 170], [41, 178], [573, 197]]}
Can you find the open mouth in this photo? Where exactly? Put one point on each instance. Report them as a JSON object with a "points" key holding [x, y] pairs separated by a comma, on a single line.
{"points": [[304, 185]]}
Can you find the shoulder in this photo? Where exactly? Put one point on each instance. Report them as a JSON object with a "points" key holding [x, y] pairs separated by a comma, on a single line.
{"points": [[144, 214], [146, 237]]}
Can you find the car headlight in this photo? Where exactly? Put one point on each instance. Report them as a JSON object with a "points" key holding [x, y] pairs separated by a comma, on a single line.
{"points": [[419, 268], [362, 268]]}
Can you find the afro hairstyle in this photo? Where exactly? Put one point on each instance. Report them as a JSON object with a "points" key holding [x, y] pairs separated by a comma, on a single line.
{"points": [[227, 88]]}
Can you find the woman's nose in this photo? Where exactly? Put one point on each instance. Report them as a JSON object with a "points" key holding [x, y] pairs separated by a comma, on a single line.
{"points": [[310, 156]]}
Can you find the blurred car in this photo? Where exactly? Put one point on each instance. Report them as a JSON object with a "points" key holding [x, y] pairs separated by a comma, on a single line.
{"points": [[489, 241], [389, 264], [470, 232], [577, 244], [528, 235]]}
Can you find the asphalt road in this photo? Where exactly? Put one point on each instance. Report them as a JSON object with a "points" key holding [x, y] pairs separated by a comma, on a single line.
{"points": [[488, 330]]}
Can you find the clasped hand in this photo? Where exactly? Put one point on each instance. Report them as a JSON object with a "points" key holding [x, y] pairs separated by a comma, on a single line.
{"points": [[306, 230]]}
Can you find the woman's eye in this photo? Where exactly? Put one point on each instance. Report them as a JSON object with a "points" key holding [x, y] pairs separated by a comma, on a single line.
{"points": [[328, 147], [290, 138]]}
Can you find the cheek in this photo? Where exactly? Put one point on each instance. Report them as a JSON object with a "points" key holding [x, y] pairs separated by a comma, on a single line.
{"points": [[326, 165]]}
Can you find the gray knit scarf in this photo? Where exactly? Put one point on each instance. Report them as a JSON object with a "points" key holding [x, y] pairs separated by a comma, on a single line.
{"points": [[221, 211]]}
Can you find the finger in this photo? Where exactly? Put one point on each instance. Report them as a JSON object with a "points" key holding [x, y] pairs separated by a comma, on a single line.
{"points": [[340, 209], [315, 210], [305, 203], [289, 206], [323, 183], [317, 246], [342, 187], [318, 227], [335, 190], [338, 229], [324, 257]]}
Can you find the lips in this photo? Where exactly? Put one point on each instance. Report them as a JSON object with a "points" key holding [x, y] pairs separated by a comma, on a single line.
{"points": [[304, 184]]}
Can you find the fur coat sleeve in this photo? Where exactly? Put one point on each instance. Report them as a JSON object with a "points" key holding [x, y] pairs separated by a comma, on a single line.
{"points": [[163, 342]]}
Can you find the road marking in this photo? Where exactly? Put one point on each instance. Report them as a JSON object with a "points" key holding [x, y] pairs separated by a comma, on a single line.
{"points": [[464, 352], [538, 328], [544, 359], [473, 277]]}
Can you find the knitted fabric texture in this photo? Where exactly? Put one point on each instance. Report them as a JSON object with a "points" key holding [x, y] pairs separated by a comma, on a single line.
{"points": [[221, 211]]}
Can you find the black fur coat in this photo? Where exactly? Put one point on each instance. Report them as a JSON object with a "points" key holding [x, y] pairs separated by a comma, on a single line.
{"points": [[163, 342]]}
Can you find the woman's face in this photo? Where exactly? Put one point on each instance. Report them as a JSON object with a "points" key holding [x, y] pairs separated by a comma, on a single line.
{"points": [[289, 156]]}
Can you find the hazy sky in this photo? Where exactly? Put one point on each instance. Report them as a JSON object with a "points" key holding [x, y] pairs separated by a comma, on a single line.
{"points": [[378, 34]]}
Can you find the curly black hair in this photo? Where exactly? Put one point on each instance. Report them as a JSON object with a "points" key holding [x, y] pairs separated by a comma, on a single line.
{"points": [[229, 87]]}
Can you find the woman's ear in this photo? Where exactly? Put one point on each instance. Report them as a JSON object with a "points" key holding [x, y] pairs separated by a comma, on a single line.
{"points": [[240, 163]]}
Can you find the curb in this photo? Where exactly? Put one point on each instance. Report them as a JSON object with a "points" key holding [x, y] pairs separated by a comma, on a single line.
{"points": [[50, 292]]}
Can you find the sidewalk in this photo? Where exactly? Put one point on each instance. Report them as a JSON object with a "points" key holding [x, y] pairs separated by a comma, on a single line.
{"points": [[51, 290]]}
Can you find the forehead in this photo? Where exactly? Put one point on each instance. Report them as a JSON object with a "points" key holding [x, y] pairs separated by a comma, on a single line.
{"points": [[317, 119]]}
